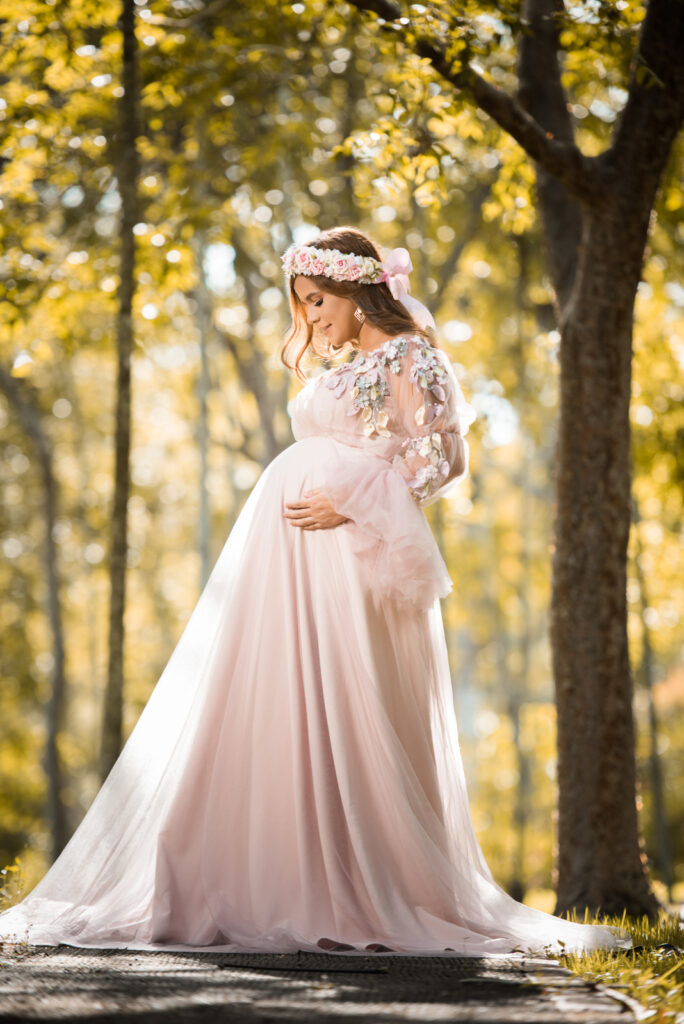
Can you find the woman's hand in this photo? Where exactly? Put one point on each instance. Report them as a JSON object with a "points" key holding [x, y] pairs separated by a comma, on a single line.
{"points": [[315, 514]]}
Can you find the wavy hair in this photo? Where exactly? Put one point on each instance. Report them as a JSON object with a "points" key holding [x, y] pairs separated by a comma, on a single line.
{"points": [[376, 300]]}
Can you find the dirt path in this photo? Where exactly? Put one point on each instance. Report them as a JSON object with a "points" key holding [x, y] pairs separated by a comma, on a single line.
{"points": [[70, 984]]}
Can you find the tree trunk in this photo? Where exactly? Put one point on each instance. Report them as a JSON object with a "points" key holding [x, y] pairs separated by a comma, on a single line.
{"points": [[600, 863], [127, 180], [250, 362], [204, 324], [30, 418]]}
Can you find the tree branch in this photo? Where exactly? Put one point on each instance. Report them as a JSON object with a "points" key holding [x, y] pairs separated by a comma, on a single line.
{"points": [[655, 92], [560, 157], [542, 95]]}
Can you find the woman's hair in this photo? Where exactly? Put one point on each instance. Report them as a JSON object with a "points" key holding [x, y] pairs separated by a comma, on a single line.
{"points": [[376, 300]]}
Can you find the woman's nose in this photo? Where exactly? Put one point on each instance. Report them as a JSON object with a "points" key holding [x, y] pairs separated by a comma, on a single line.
{"points": [[312, 316]]}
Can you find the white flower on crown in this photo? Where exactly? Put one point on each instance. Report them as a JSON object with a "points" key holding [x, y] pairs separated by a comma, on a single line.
{"points": [[339, 266]]}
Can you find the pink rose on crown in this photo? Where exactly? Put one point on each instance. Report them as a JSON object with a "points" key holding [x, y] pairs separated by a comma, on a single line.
{"points": [[318, 267], [304, 260], [354, 272], [340, 265]]}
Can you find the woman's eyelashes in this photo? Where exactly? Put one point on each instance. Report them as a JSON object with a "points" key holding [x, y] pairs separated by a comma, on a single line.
{"points": [[318, 302]]}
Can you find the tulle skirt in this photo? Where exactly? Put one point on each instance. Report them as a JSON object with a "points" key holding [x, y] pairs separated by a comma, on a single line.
{"points": [[294, 781]]}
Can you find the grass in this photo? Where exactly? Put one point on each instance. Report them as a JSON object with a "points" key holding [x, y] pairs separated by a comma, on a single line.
{"points": [[10, 884], [652, 973], [17, 880]]}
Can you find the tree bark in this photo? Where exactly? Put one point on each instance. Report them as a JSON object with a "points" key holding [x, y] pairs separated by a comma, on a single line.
{"points": [[30, 418], [599, 863], [127, 179]]}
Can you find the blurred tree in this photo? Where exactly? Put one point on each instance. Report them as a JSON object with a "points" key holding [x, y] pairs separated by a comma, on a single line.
{"points": [[596, 211], [645, 679], [127, 174], [30, 417]]}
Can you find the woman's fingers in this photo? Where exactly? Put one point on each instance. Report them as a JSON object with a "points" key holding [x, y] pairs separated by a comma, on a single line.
{"points": [[300, 515], [309, 515], [298, 504], [301, 503]]}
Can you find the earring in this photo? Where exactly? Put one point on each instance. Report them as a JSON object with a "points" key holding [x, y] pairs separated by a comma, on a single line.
{"points": [[359, 314]]}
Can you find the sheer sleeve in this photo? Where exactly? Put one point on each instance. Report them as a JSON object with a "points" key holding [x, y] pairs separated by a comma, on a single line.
{"points": [[434, 417], [382, 497]]}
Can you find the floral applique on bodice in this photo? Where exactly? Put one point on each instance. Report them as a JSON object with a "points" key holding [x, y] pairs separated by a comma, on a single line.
{"points": [[369, 387], [398, 401]]}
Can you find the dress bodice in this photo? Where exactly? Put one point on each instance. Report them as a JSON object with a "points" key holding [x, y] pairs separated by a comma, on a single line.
{"points": [[401, 401]]}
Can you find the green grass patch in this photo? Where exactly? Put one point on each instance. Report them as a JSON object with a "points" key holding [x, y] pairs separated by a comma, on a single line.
{"points": [[652, 972], [19, 878]]}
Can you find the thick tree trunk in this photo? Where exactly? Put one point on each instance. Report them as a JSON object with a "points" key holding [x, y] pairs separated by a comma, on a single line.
{"points": [[600, 865], [127, 177]]}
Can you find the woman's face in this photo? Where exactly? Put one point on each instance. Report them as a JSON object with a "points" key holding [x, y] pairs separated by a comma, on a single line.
{"points": [[330, 314]]}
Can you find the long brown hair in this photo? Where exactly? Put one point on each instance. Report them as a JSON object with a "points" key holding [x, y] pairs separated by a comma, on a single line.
{"points": [[376, 300]]}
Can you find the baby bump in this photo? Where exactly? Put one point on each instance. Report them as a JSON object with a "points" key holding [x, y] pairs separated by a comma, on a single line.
{"points": [[309, 464]]}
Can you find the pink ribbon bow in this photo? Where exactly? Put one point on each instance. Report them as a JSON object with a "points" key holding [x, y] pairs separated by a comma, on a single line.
{"points": [[395, 273]]}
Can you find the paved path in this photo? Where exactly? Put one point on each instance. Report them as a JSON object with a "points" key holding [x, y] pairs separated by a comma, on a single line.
{"points": [[65, 983]]}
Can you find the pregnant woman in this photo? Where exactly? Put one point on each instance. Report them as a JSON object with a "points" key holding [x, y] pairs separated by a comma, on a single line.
{"points": [[295, 781]]}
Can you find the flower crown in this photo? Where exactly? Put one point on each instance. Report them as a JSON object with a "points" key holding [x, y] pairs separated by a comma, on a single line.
{"points": [[349, 266], [339, 266]]}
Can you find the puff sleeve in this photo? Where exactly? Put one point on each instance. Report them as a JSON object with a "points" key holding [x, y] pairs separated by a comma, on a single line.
{"points": [[434, 418], [409, 395]]}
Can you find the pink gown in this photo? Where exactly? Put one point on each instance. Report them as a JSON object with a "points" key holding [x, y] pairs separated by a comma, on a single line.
{"points": [[295, 780]]}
